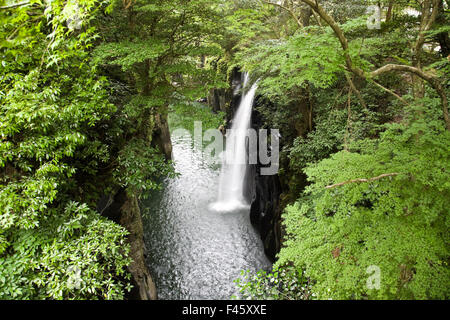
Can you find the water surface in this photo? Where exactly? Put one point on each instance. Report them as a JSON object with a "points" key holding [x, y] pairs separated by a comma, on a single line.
{"points": [[195, 252]]}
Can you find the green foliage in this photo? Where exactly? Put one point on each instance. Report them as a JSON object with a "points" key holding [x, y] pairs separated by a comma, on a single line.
{"points": [[158, 49], [183, 116], [283, 284], [326, 139], [85, 90], [64, 143], [160, 46], [140, 167], [397, 223], [37, 264], [245, 23], [284, 65], [53, 106]]}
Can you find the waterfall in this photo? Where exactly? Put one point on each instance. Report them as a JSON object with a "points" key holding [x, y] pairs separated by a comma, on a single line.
{"points": [[234, 164]]}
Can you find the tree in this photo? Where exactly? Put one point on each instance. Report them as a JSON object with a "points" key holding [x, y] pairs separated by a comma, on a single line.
{"points": [[158, 46], [430, 9], [394, 217], [53, 245]]}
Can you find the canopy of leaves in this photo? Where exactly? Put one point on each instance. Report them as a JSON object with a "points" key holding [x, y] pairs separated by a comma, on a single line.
{"points": [[397, 223], [380, 147], [52, 107]]}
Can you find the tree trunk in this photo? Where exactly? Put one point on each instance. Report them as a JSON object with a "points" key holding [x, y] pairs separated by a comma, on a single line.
{"points": [[131, 219], [443, 37], [161, 135], [389, 12]]}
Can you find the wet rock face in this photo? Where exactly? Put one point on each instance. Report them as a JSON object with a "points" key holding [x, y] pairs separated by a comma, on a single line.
{"points": [[226, 100], [218, 99], [265, 210]]}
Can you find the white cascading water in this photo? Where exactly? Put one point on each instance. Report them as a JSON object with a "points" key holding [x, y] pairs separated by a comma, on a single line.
{"points": [[234, 166]]}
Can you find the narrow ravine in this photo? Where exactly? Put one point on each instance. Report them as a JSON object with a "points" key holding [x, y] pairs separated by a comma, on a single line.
{"points": [[195, 252]]}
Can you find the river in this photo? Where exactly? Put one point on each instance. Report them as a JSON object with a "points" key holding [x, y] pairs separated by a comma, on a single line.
{"points": [[194, 252]]}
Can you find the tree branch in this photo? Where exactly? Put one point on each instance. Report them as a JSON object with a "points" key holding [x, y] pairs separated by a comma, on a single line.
{"points": [[431, 79], [355, 90], [362, 180], [391, 92], [15, 5], [317, 18], [349, 118], [338, 32], [426, 24], [390, 9], [289, 10], [404, 68]]}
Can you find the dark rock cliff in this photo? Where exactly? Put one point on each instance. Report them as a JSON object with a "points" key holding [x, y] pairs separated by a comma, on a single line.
{"points": [[124, 210], [226, 100], [266, 209]]}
